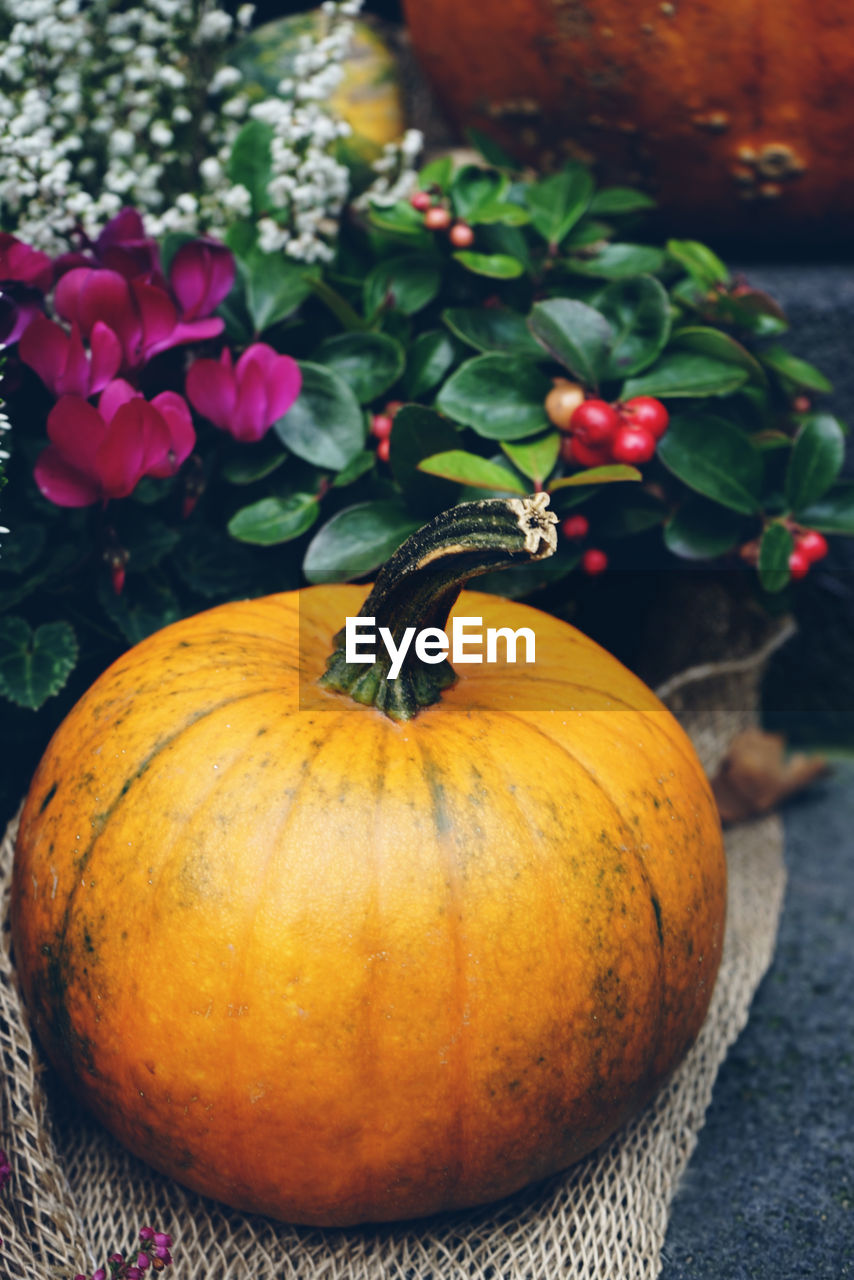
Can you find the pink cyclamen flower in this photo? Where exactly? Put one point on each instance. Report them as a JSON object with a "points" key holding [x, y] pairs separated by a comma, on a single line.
{"points": [[60, 360], [201, 275], [26, 265], [141, 315], [247, 398], [97, 454]]}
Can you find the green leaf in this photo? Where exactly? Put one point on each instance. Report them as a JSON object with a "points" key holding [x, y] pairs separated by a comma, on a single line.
{"points": [[834, 513], [502, 398], [535, 458], [430, 357], [368, 362], [577, 336], [437, 173], [418, 433], [275, 287], [356, 541], [702, 530], [472, 470], [774, 550], [719, 346], [794, 370], [523, 579], [400, 220], [713, 458], [702, 265], [611, 200], [559, 201], [142, 610], [34, 665], [473, 188], [624, 514], [148, 544], [617, 260], [815, 461], [214, 565], [498, 266], [490, 329], [506, 212], [612, 473], [247, 463], [250, 164], [21, 548], [492, 152], [273, 520], [408, 283], [325, 425], [686, 374], [638, 312], [355, 469]]}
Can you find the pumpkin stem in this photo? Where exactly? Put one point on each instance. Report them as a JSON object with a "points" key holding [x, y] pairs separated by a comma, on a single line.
{"points": [[419, 586]]}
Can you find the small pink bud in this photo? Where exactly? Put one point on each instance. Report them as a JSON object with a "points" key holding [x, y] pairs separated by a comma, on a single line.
{"points": [[162, 1238], [146, 1233]]}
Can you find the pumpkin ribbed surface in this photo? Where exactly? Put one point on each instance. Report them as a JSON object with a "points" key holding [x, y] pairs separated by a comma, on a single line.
{"points": [[335, 968], [736, 115]]}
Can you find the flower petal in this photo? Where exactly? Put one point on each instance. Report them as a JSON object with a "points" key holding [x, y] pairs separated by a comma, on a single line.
{"points": [[211, 390], [284, 382], [137, 439], [201, 275], [249, 421], [61, 483], [158, 315], [176, 414], [44, 347], [78, 430], [114, 395], [106, 356]]}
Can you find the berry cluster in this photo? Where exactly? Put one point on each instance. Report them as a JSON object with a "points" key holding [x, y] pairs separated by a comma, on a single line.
{"points": [[152, 1255], [810, 546], [576, 529], [438, 217], [598, 432], [381, 425]]}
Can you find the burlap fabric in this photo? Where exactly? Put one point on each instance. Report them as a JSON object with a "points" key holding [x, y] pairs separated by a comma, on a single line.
{"points": [[75, 1196]]}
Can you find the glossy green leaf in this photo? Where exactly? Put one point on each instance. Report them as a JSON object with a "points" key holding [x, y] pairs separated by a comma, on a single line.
{"points": [[472, 470], [687, 374], [473, 188], [535, 458], [407, 283], [400, 220], [34, 665], [638, 312], [273, 520], [702, 530], [715, 459], [369, 363], [275, 287], [355, 469], [429, 358], [437, 173], [246, 463], [325, 425], [701, 263], [356, 541], [615, 261], [418, 433], [506, 212], [577, 336], [500, 397], [611, 473], [498, 266], [775, 548], [833, 513], [490, 329], [250, 163], [815, 461], [613, 200], [718, 345], [800, 373], [559, 201]]}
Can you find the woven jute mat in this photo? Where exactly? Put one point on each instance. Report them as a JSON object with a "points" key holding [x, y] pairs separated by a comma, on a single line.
{"points": [[75, 1196]]}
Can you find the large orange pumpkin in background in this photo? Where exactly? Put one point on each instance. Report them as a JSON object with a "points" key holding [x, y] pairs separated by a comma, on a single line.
{"points": [[338, 965], [737, 115]]}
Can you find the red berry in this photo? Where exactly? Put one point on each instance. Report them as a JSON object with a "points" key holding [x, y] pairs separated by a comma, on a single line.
{"points": [[594, 562], [576, 527], [633, 445], [437, 219], [799, 565], [582, 453], [461, 235], [393, 407], [562, 401], [646, 412], [384, 449], [812, 545], [421, 200], [801, 404], [381, 425], [594, 422]]}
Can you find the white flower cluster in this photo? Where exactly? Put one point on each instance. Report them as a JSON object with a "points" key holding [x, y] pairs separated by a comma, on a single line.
{"points": [[395, 169], [105, 104]]}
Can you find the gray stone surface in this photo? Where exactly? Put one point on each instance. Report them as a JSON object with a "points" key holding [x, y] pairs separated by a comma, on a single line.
{"points": [[769, 1192]]}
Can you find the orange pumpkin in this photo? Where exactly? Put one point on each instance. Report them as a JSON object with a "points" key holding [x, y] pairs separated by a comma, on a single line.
{"points": [[336, 964], [736, 115]]}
